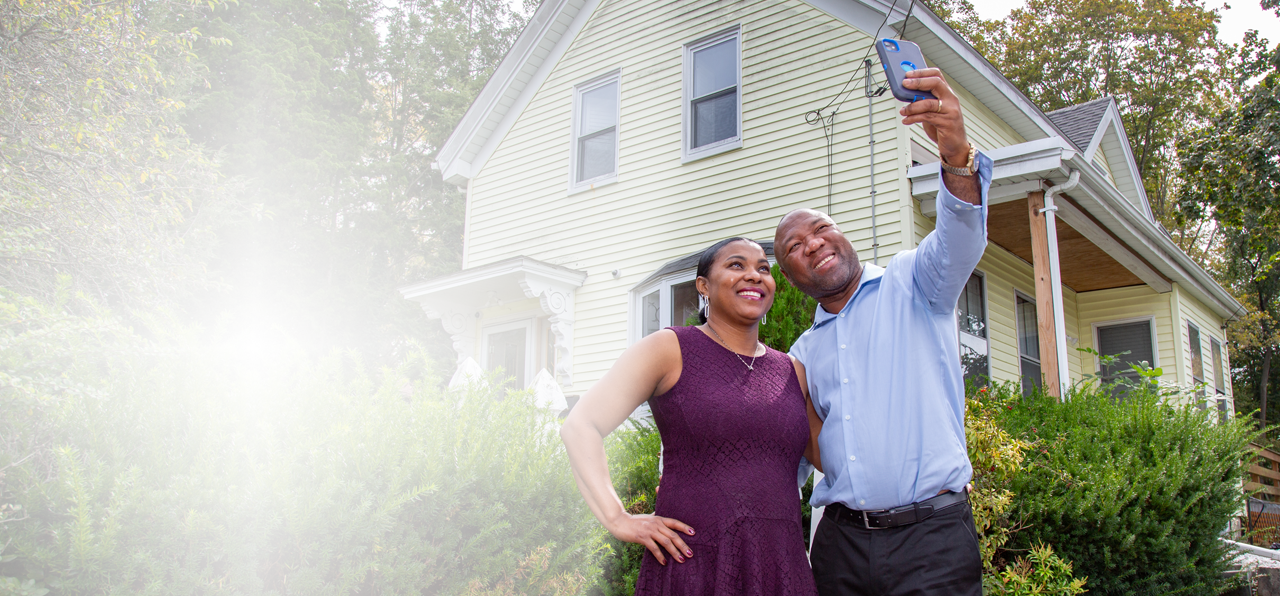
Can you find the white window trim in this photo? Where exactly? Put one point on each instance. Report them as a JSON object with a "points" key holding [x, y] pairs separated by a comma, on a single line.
{"points": [[986, 321], [686, 138], [635, 326], [614, 76], [1155, 347], [1191, 356], [663, 285], [1222, 359], [529, 345]]}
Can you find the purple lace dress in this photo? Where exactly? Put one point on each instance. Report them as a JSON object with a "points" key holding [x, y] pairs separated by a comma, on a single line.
{"points": [[732, 440]]}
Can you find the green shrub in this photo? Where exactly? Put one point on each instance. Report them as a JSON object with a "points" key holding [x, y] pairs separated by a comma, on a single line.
{"points": [[1040, 573], [1135, 493], [790, 316], [633, 453], [997, 458], [141, 467]]}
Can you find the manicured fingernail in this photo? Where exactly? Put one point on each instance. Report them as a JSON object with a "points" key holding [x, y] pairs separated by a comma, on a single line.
{"points": [[690, 531], [688, 552], [679, 559]]}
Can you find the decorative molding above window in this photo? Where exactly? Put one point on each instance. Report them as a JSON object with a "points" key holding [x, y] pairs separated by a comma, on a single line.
{"points": [[593, 157], [712, 102]]}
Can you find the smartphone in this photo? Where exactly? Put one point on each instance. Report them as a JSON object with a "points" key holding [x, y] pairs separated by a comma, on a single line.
{"points": [[899, 57]]}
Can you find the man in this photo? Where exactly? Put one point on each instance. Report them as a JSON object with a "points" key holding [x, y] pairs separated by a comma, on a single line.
{"points": [[883, 370]]}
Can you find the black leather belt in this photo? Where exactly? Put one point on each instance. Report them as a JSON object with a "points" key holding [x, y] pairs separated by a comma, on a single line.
{"points": [[898, 516]]}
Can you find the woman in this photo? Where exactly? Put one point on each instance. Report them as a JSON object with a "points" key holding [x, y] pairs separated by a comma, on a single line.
{"points": [[734, 422]]}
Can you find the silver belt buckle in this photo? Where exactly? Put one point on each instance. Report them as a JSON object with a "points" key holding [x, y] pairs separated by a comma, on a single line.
{"points": [[866, 521]]}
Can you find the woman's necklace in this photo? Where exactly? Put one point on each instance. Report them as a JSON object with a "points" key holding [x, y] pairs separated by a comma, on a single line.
{"points": [[750, 367]]}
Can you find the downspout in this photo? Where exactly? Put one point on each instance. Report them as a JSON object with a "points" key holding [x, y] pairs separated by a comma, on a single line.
{"points": [[1055, 278]]}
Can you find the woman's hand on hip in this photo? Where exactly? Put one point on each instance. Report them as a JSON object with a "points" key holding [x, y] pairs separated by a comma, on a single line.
{"points": [[656, 534]]}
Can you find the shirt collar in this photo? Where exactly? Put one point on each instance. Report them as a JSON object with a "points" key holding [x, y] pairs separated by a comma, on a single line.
{"points": [[870, 274]]}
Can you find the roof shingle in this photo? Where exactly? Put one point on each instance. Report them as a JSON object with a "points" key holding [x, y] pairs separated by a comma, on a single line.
{"points": [[1080, 121]]}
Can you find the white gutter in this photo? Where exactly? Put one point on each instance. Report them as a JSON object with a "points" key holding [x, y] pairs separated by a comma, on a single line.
{"points": [[1055, 279]]}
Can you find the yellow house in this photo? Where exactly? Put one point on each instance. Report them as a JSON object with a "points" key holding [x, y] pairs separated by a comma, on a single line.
{"points": [[619, 137]]}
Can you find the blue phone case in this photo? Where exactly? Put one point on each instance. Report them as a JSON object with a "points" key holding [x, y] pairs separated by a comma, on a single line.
{"points": [[898, 57]]}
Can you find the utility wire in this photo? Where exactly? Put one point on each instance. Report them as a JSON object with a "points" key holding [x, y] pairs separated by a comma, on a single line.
{"points": [[828, 121]]}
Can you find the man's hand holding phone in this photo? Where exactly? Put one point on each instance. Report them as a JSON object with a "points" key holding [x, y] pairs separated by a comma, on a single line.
{"points": [[941, 117]]}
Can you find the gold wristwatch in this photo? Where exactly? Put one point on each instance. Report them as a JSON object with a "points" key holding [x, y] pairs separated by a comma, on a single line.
{"points": [[968, 168]]}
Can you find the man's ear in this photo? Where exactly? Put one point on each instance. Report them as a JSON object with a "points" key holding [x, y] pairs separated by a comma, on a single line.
{"points": [[785, 275]]}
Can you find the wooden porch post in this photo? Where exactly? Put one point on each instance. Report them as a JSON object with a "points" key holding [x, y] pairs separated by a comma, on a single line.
{"points": [[1044, 294]]}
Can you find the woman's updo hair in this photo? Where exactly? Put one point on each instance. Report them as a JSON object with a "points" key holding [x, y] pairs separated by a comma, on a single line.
{"points": [[708, 259]]}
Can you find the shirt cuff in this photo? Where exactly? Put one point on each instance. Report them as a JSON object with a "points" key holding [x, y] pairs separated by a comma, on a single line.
{"points": [[946, 200], [803, 473]]}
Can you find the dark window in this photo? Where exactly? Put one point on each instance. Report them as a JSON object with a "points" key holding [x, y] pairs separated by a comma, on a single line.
{"points": [[1115, 340]]}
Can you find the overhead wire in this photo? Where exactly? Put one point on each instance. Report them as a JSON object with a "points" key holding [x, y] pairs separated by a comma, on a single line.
{"points": [[828, 121]]}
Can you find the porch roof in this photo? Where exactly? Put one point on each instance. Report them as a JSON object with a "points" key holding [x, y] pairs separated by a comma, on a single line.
{"points": [[1094, 211]]}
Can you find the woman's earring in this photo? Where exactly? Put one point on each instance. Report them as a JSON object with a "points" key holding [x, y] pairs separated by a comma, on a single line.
{"points": [[765, 319], [703, 306]]}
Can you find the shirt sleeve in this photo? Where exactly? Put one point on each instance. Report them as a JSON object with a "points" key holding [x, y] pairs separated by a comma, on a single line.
{"points": [[948, 255], [802, 474]]}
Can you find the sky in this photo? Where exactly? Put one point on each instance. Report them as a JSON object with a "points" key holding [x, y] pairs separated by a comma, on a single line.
{"points": [[1243, 15]]}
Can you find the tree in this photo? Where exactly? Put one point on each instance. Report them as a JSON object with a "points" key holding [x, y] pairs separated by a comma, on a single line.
{"points": [[1231, 173], [327, 114], [100, 190], [1160, 59]]}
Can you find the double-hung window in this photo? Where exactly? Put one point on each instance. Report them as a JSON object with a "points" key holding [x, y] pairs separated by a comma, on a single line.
{"points": [[1028, 343], [971, 318], [1219, 379], [1197, 358], [712, 95], [594, 155]]}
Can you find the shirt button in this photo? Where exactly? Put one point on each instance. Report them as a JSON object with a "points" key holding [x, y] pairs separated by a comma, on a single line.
{"points": [[841, 346], [846, 381], [842, 315], [853, 458], [862, 502], [846, 416]]}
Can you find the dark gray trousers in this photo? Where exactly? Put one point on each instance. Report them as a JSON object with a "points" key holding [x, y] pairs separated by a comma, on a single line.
{"points": [[935, 557]]}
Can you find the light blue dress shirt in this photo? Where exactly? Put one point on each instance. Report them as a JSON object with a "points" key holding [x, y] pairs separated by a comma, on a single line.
{"points": [[884, 373]]}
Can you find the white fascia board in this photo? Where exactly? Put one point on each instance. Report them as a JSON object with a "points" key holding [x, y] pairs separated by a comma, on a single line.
{"points": [[1018, 169], [553, 273], [1130, 165], [1103, 123], [864, 15], [1099, 198], [471, 135]]}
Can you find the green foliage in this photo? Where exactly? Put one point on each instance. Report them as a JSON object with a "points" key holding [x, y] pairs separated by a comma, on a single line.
{"points": [[790, 316], [1040, 573], [97, 179], [1231, 173], [328, 115], [1133, 492], [163, 468], [633, 466]]}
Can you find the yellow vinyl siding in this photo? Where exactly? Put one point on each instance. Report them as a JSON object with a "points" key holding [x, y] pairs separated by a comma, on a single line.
{"points": [[1100, 158], [1119, 304], [794, 58]]}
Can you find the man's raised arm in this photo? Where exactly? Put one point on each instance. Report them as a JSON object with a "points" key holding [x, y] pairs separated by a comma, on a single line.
{"points": [[947, 256]]}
